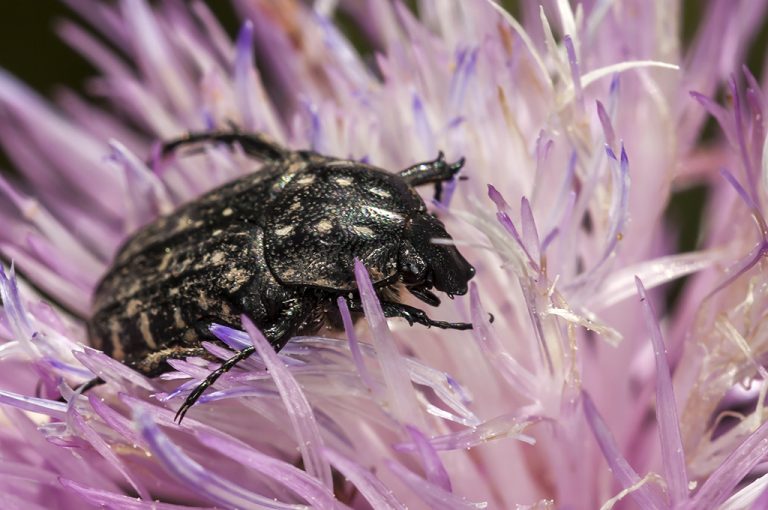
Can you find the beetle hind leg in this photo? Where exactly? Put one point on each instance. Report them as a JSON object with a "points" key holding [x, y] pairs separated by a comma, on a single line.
{"points": [[256, 145], [208, 381]]}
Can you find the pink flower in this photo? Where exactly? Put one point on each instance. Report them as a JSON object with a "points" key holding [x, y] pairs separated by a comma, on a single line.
{"points": [[585, 392]]}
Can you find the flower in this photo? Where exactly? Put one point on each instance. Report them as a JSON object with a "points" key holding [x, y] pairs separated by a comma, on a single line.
{"points": [[579, 394]]}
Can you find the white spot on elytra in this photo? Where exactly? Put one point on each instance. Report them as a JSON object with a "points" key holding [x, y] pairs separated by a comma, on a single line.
{"points": [[133, 307], [227, 212], [178, 320], [324, 226], [284, 231], [146, 333], [380, 192], [343, 181], [362, 230], [378, 211], [165, 261], [306, 180]]}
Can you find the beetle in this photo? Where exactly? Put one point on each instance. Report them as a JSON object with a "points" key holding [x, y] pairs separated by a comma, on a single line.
{"points": [[278, 245]]}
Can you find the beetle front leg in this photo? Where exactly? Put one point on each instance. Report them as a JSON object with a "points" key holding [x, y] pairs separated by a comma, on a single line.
{"points": [[410, 313], [436, 171], [257, 145]]}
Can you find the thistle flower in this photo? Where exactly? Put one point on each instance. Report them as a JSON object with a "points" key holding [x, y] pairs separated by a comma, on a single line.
{"points": [[578, 395]]}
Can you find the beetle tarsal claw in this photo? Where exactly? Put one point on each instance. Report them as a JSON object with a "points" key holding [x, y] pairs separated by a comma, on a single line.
{"points": [[458, 165]]}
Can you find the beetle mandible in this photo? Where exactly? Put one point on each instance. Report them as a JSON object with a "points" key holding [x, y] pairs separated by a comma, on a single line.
{"points": [[277, 245]]}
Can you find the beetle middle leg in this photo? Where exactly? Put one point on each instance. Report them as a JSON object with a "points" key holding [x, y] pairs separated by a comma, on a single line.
{"points": [[436, 171], [410, 313], [290, 320], [212, 377]]}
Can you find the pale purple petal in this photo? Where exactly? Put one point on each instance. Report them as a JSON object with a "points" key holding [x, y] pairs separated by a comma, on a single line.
{"points": [[234, 338], [299, 411], [309, 488], [400, 393], [108, 499], [165, 74], [509, 225], [145, 195], [55, 135], [87, 432], [720, 114], [47, 407], [13, 309], [122, 425], [619, 200], [672, 451], [245, 94], [501, 427], [746, 157], [530, 233], [196, 477], [50, 227], [762, 501], [745, 196], [517, 376], [354, 347], [574, 67], [718, 486], [605, 122], [371, 488], [497, 199], [644, 496], [434, 495], [466, 61], [423, 127], [430, 461], [110, 370], [750, 496]]}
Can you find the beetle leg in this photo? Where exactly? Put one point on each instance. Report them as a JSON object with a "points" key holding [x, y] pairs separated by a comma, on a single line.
{"points": [[436, 171], [410, 313], [278, 334], [257, 145], [96, 381], [212, 377]]}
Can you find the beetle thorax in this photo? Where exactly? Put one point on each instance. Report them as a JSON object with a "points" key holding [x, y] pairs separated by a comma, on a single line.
{"points": [[332, 213]]}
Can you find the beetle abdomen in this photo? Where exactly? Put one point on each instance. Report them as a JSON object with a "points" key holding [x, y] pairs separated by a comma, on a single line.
{"points": [[179, 271], [138, 311]]}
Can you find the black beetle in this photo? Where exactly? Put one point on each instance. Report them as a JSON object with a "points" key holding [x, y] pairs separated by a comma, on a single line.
{"points": [[278, 245]]}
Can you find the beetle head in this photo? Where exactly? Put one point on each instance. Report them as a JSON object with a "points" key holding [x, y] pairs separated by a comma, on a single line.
{"points": [[425, 264]]}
